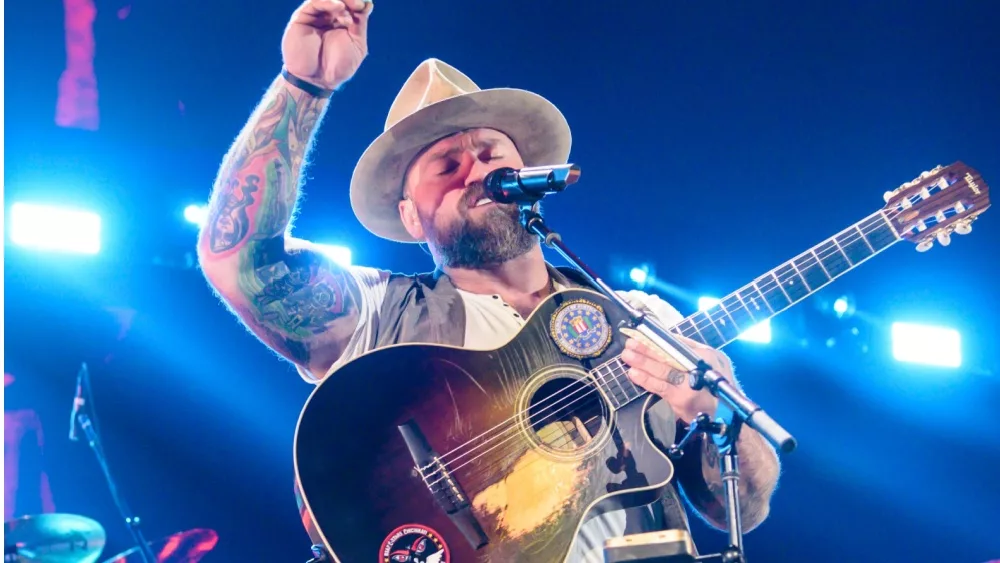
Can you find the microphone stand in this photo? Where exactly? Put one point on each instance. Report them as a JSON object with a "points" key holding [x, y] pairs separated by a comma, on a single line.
{"points": [[131, 521], [701, 376]]}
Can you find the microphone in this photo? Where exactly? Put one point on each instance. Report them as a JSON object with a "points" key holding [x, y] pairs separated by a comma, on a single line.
{"points": [[528, 185], [78, 401]]}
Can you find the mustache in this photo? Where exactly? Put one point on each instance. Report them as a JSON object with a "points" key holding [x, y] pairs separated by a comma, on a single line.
{"points": [[473, 193]]}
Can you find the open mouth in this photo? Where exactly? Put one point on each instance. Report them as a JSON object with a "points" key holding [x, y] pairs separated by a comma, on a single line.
{"points": [[482, 201]]}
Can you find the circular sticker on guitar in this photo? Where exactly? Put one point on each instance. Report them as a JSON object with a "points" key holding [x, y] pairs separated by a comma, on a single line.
{"points": [[580, 329], [414, 543]]}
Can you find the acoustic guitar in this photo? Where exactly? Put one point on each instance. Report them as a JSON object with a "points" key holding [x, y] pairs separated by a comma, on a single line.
{"points": [[430, 453]]}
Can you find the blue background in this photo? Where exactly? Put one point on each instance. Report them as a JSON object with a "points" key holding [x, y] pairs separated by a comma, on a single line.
{"points": [[716, 140]]}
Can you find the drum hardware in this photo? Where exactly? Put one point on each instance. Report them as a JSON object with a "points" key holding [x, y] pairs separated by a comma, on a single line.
{"points": [[53, 538]]}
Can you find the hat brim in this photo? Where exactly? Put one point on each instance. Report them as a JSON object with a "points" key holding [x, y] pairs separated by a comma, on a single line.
{"points": [[537, 128]]}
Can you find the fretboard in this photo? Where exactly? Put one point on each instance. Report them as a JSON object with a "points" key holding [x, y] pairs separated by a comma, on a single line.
{"points": [[765, 296]]}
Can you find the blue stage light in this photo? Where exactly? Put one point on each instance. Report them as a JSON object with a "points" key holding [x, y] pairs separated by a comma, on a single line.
{"points": [[926, 344], [57, 229], [638, 276], [339, 254], [196, 214]]}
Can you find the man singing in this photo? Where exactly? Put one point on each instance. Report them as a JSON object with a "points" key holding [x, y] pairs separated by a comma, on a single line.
{"points": [[422, 181]]}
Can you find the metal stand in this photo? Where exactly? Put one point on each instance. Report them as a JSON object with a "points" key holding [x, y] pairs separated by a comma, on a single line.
{"points": [[725, 437], [700, 372], [131, 521]]}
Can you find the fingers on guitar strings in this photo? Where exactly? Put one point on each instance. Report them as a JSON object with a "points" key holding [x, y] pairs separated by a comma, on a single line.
{"points": [[648, 381]]}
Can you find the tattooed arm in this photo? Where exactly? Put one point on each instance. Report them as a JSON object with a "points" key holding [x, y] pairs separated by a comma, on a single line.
{"points": [[294, 299], [700, 478]]}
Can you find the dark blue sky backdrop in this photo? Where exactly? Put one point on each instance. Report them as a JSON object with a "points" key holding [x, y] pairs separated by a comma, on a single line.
{"points": [[716, 141]]}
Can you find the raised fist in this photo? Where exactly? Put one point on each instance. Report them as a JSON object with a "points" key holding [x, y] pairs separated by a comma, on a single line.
{"points": [[326, 40]]}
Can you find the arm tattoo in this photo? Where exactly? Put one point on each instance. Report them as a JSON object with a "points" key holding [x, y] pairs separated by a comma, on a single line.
{"points": [[758, 477], [287, 297], [230, 224], [294, 292], [711, 454], [255, 193], [701, 477]]}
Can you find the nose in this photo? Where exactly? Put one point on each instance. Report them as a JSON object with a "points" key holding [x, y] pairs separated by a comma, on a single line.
{"points": [[478, 171]]}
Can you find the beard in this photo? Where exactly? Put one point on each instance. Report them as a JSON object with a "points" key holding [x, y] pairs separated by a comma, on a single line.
{"points": [[491, 239]]}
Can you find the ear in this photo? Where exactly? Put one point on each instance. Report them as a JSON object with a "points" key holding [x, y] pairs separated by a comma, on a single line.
{"points": [[411, 221]]}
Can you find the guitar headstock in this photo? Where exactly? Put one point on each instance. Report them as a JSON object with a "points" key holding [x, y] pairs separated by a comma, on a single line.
{"points": [[939, 202]]}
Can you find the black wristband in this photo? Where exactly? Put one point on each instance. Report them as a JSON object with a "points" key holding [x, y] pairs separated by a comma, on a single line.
{"points": [[307, 87]]}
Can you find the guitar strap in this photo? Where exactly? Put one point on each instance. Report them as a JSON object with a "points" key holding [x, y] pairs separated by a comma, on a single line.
{"points": [[427, 308]]}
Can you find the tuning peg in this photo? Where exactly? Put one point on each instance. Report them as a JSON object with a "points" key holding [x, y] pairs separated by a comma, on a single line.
{"points": [[925, 245], [888, 195], [944, 237], [963, 228]]}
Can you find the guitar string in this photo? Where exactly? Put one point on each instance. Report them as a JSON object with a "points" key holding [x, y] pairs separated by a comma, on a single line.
{"points": [[583, 382], [486, 470], [584, 386]]}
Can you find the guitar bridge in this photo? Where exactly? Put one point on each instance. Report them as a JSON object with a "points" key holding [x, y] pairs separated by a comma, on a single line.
{"points": [[443, 487]]}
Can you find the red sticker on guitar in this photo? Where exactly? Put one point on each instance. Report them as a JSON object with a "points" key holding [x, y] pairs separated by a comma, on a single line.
{"points": [[414, 543]]}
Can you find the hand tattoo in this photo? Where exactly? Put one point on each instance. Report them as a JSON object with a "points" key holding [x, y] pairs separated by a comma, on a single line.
{"points": [[676, 377]]}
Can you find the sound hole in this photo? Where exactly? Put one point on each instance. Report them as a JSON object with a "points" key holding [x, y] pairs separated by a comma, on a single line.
{"points": [[566, 415]]}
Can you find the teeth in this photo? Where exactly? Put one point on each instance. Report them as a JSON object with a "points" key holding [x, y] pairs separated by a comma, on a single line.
{"points": [[483, 201]]}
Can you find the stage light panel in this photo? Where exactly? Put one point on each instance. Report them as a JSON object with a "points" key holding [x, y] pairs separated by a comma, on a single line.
{"points": [[55, 229], [926, 344], [339, 254], [759, 333]]}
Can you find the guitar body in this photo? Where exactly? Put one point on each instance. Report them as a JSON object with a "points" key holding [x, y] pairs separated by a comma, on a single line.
{"points": [[519, 444]]}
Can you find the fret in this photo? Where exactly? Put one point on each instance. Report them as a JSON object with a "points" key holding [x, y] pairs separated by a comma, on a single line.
{"points": [[858, 229], [742, 318], [623, 370], [707, 328], [761, 295], [617, 398], [792, 283], [791, 264], [754, 303], [723, 322], [879, 232], [895, 233], [855, 247], [619, 371], [820, 262], [812, 272], [774, 294], [833, 258], [688, 329], [841, 249], [618, 389]]}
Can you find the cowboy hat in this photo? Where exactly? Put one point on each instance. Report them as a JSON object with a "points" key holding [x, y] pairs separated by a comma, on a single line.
{"points": [[437, 101]]}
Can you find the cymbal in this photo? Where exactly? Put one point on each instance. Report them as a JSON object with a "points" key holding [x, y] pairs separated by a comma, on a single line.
{"points": [[54, 538], [183, 547]]}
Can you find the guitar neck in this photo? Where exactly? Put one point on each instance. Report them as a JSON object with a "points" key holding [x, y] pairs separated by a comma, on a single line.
{"points": [[789, 283], [767, 295]]}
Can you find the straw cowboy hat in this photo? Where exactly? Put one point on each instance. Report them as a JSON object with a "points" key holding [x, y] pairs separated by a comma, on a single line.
{"points": [[436, 101]]}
